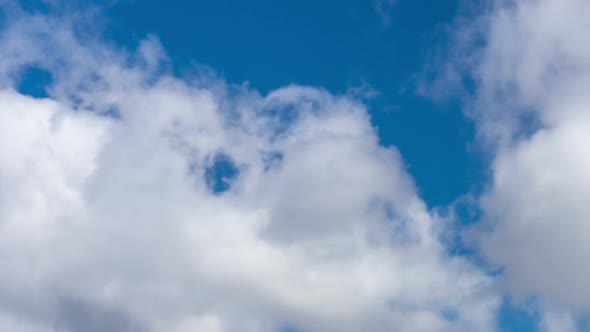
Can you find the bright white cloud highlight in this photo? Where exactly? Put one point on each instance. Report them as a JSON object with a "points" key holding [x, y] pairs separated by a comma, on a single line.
{"points": [[533, 108], [107, 222]]}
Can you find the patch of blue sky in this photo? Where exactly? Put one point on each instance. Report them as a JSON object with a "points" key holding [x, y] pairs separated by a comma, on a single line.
{"points": [[34, 81], [515, 318], [333, 44], [220, 173]]}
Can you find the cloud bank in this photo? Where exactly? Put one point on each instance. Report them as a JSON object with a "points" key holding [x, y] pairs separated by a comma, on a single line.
{"points": [[133, 200], [529, 62]]}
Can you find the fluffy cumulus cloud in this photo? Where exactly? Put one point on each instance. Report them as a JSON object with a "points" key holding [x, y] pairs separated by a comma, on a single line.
{"points": [[533, 109], [132, 200]]}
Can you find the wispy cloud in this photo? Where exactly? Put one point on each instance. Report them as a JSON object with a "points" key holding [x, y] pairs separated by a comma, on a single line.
{"points": [[383, 8]]}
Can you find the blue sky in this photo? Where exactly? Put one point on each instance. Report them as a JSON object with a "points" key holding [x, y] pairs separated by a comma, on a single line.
{"points": [[213, 168], [335, 45]]}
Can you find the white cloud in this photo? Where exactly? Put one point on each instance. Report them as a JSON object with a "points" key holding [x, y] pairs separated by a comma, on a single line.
{"points": [[558, 322], [19, 324], [538, 205], [532, 106], [107, 222]]}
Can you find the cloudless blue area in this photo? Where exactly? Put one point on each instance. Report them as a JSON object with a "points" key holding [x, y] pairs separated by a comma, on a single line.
{"points": [[514, 319], [220, 174], [34, 82], [2, 20], [34, 6]]}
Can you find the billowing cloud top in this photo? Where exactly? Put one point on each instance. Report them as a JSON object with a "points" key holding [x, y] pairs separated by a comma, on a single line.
{"points": [[132, 200]]}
